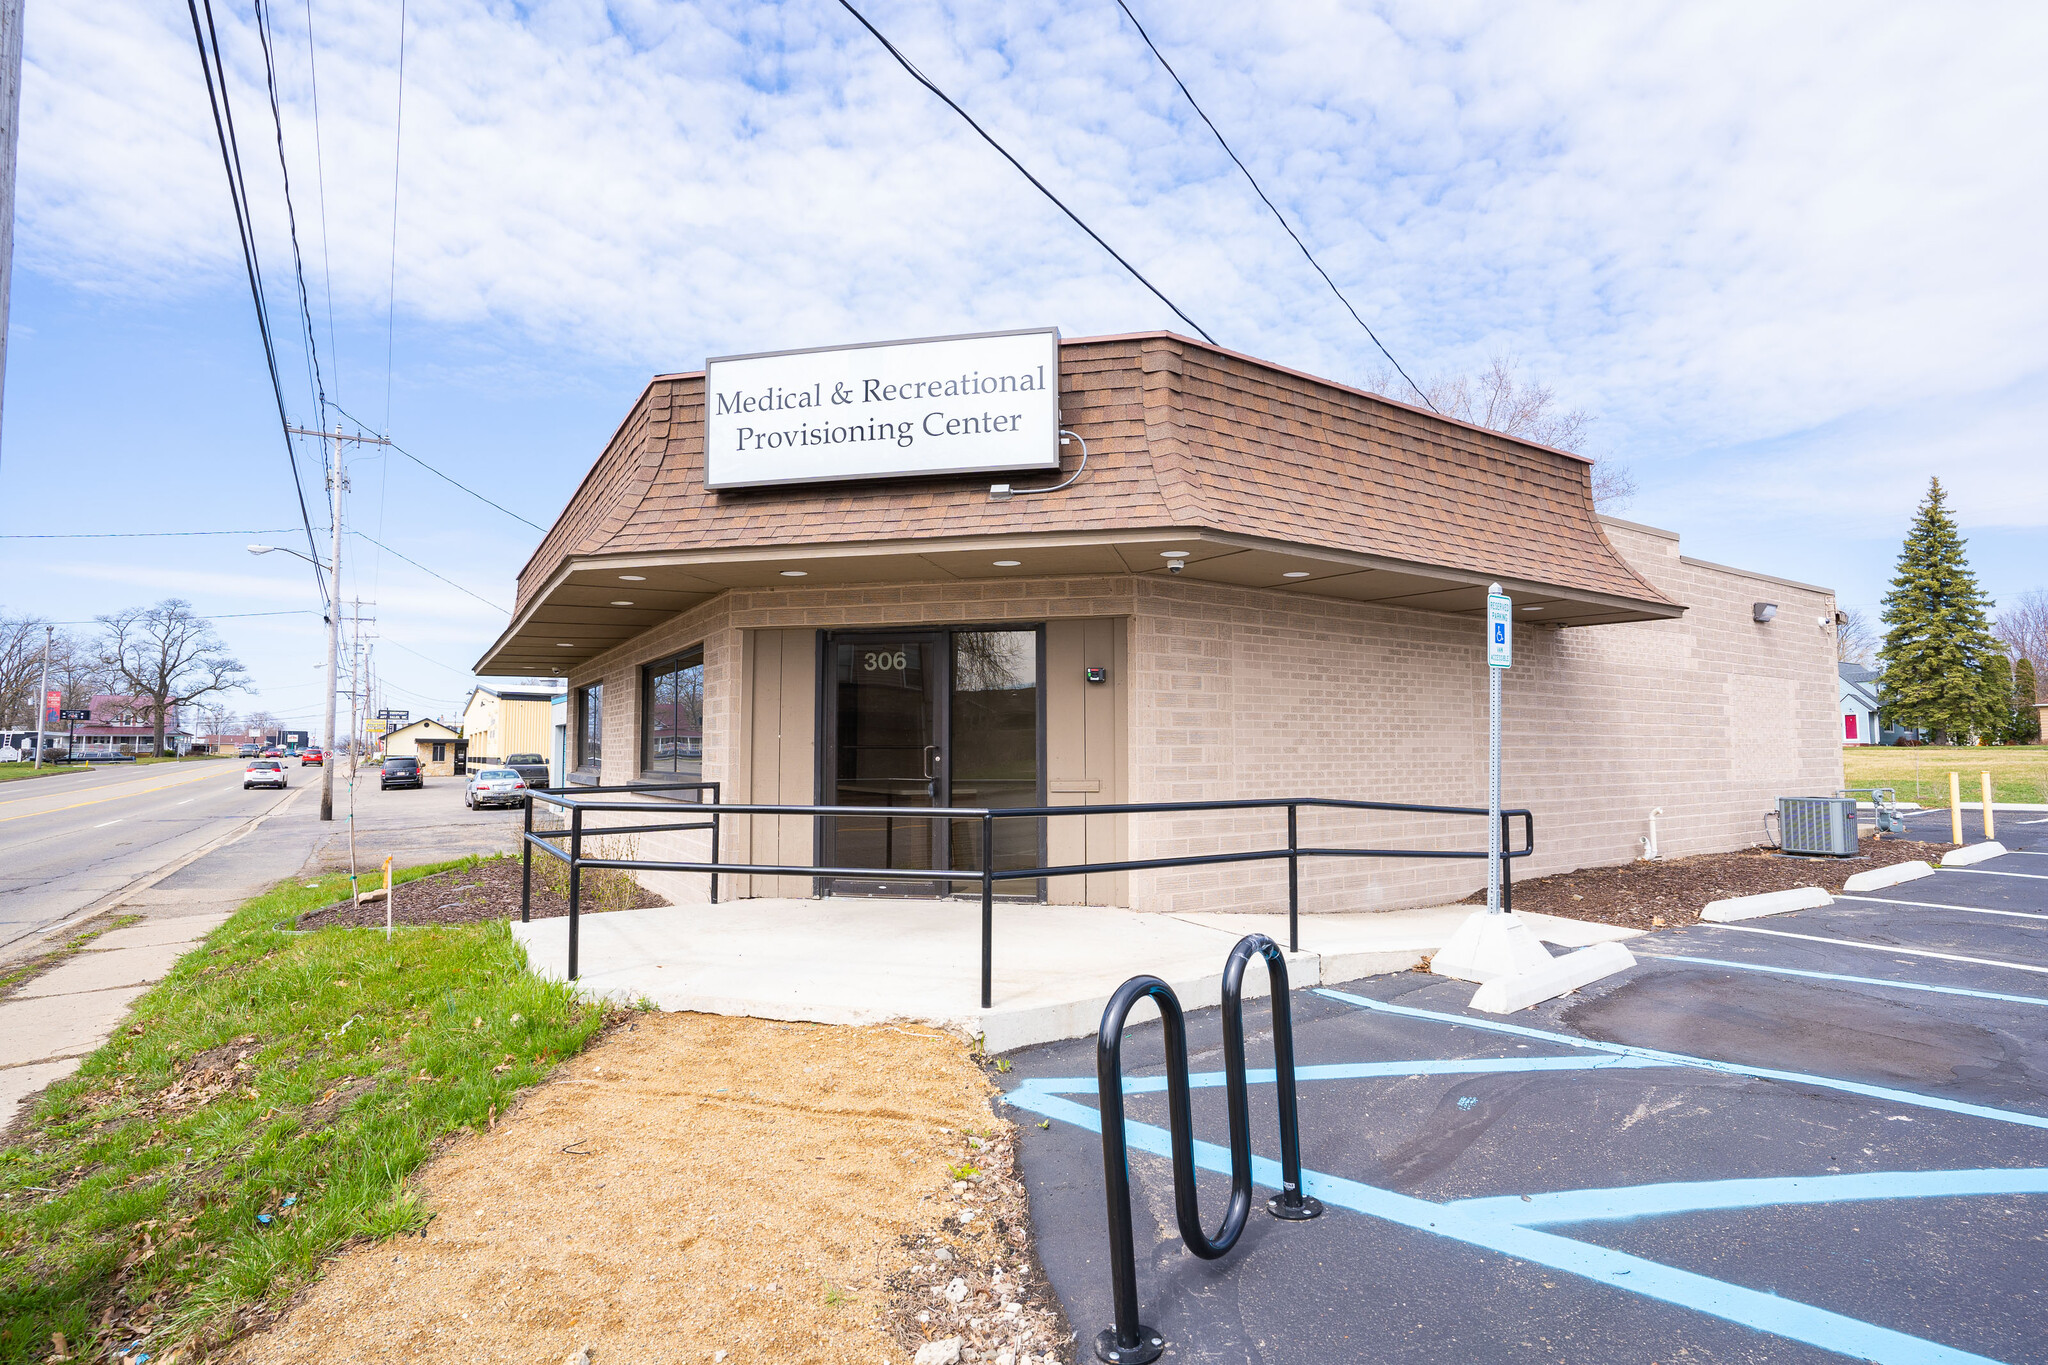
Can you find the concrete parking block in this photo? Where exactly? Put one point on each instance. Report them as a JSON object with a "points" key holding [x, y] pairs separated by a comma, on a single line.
{"points": [[1880, 877], [1767, 903], [156, 931], [89, 972], [1975, 853], [33, 1031], [21, 1083]]}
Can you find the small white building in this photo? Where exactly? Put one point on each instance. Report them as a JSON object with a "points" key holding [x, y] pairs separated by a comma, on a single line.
{"points": [[1859, 705]]}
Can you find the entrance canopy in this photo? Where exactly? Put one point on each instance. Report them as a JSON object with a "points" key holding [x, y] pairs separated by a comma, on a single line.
{"points": [[1247, 473]]}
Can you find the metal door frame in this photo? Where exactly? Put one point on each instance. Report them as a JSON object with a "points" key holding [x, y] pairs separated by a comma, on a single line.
{"points": [[827, 737]]}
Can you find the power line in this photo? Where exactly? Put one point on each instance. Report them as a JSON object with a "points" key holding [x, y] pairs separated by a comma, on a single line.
{"points": [[291, 215], [1271, 205], [425, 570], [231, 160], [397, 152], [320, 180], [435, 662], [448, 477], [130, 535], [926, 82]]}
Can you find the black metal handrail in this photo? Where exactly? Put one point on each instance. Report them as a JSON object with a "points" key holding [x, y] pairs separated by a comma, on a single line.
{"points": [[575, 801], [1129, 1341]]}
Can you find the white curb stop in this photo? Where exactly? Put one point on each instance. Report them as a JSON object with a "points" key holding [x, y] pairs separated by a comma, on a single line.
{"points": [[1880, 877], [1975, 853], [1768, 903], [1507, 994]]}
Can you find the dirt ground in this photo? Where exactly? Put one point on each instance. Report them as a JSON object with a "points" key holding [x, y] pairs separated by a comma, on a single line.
{"points": [[698, 1188], [1672, 892], [489, 890]]}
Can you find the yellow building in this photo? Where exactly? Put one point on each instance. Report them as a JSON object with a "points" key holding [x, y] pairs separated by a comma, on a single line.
{"points": [[438, 748], [498, 724]]}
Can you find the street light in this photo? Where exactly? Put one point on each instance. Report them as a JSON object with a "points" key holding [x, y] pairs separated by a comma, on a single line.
{"points": [[332, 570]]}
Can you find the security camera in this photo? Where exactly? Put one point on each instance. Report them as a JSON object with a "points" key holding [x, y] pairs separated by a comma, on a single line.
{"points": [[1175, 565]]}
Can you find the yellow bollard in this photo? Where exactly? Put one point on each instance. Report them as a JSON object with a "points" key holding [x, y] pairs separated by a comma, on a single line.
{"points": [[1955, 808], [1987, 805]]}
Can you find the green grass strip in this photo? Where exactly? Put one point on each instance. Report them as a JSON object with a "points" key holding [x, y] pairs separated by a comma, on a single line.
{"points": [[131, 1207]]}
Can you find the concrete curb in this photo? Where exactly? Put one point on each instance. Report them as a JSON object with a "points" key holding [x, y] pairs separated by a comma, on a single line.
{"points": [[1975, 853], [1880, 877], [1507, 994], [1767, 903]]}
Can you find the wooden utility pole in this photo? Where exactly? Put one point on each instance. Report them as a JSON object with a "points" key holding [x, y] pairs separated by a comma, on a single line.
{"points": [[337, 484]]}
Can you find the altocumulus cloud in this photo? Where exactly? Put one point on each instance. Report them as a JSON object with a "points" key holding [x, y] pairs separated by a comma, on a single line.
{"points": [[1734, 232]]}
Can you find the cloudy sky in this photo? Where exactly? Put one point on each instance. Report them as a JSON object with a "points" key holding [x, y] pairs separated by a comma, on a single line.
{"points": [[1788, 256]]}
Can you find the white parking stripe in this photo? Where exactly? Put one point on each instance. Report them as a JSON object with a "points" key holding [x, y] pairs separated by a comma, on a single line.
{"points": [[1987, 872], [1929, 905], [1887, 948]]}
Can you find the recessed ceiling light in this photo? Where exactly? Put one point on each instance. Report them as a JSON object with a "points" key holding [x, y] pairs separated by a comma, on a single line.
{"points": [[1173, 554], [794, 573], [1532, 609], [632, 578], [1008, 563], [622, 604], [565, 644], [1295, 573]]}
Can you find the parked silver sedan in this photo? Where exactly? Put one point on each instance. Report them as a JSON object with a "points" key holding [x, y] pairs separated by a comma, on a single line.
{"points": [[494, 787]]}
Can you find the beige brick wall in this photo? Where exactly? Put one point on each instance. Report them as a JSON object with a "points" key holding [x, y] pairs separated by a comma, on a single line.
{"points": [[1238, 693]]}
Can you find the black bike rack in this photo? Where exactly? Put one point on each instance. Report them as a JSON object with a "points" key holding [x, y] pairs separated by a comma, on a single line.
{"points": [[1130, 1342]]}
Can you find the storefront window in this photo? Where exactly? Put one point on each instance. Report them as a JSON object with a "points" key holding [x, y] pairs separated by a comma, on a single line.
{"points": [[589, 733], [672, 733]]}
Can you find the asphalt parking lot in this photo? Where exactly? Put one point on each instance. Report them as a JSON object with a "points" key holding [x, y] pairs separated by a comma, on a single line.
{"points": [[1815, 1136]]}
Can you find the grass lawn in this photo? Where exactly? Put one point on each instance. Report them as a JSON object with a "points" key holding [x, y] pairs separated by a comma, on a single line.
{"points": [[2019, 772], [11, 772], [264, 1105]]}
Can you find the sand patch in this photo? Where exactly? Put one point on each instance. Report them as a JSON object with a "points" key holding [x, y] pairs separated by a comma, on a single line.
{"points": [[692, 1184]]}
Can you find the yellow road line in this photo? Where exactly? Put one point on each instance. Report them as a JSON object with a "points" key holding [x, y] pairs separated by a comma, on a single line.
{"points": [[97, 800]]}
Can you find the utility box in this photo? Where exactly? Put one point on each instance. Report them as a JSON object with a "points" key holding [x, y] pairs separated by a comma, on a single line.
{"points": [[1823, 825]]}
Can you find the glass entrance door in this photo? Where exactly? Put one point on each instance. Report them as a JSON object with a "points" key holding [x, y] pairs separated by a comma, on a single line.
{"points": [[931, 719], [884, 729]]}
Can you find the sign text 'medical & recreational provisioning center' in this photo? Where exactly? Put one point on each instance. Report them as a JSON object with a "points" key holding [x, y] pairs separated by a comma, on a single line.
{"points": [[948, 405]]}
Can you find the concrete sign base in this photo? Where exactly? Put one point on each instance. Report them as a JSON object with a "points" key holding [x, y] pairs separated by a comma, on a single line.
{"points": [[1488, 946]]}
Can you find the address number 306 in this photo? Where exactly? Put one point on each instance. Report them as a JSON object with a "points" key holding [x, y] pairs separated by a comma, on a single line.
{"points": [[885, 660]]}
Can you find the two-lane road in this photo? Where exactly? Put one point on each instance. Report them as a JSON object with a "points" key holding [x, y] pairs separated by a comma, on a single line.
{"points": [[68, 842]]}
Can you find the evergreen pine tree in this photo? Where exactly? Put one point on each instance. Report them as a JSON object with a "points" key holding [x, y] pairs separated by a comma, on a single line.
{"points": [[2025, 693], [1998, 687], [1936, 639]]}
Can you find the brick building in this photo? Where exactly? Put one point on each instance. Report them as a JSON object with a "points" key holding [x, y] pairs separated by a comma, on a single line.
{"points": [[1261, 584]]}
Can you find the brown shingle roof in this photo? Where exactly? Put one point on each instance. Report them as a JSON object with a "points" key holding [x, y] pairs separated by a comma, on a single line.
{"points": [[1181, 435]]}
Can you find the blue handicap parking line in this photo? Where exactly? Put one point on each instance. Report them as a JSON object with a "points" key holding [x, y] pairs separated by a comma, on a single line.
{"points": [[1854, 980], [1696, 1196], [1351, 1071], [1885, 1093], [1473, 1223]]}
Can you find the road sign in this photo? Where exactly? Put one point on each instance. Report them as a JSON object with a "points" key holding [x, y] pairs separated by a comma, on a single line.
{"points": [[74, 715], [376, 727], [394, 715], [1500, 632]]}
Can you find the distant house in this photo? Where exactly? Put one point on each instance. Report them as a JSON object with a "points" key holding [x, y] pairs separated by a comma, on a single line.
{"points": [[126, 725], [441, 752], [499, 723], [1859, 704]]}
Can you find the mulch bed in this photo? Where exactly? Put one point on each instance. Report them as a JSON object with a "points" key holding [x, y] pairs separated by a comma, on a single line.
{"points": [[467, 895], [1671, 893]]}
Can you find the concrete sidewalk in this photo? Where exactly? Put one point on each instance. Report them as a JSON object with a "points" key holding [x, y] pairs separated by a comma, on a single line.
{"points": [[865, 961]]}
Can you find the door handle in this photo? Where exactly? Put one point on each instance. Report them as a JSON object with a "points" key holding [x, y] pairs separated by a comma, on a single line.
{"points": [[932, 758]]}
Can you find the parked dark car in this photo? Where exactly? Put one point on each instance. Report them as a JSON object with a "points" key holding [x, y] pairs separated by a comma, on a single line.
{"points": [[105, 756], [401, 772], [249, 751], [532, 767]]}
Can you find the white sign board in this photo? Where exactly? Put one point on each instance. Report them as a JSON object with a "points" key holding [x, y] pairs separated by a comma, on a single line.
{"points": [[1500, 630], [893, 409]]}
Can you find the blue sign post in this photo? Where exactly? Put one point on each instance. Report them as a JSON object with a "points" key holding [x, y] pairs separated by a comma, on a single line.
{"points": [[1500, 655]]}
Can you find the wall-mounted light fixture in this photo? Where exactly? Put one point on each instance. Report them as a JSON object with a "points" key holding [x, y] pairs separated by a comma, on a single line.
{"points": [[1762, 612]]}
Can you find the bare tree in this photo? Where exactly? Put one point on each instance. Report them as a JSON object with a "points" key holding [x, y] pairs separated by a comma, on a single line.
{"points": [[1499, 401], [77, 670], [262, 722], [21, 664], [2023, 628], [1856, 639], [169, 656]]}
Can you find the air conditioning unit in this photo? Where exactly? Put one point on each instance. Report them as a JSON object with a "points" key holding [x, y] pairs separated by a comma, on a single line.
{"points": [[1824, 825]]}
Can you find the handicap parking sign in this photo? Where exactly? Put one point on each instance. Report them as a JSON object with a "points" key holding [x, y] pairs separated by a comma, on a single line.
{"points": [[1500, 636]]}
